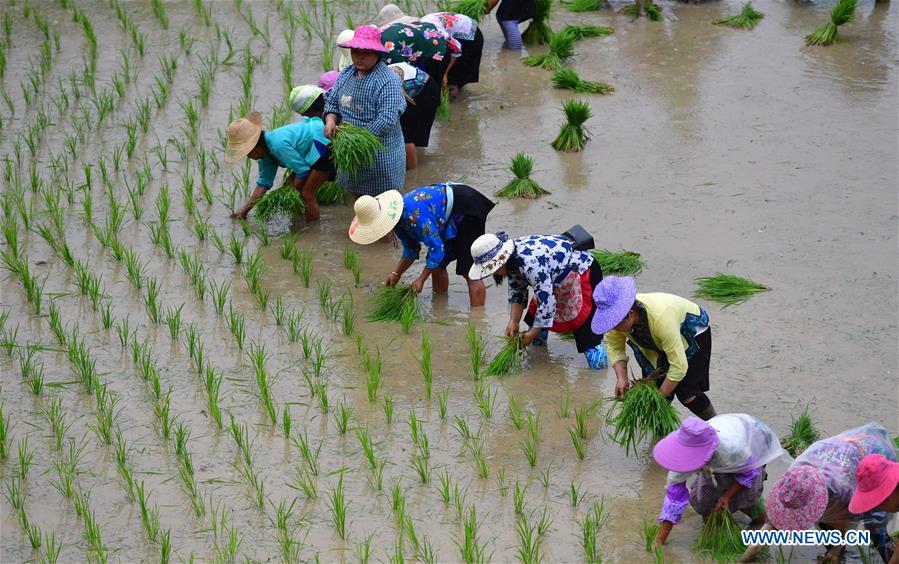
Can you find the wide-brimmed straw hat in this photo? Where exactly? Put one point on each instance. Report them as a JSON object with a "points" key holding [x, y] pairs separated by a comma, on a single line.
{"points": [[798, 499], [490, 252], [688, 448], [366, 37], [876, 477], [302, 97], [613, 297], [391, 14], [243, 133], [375, 217]]}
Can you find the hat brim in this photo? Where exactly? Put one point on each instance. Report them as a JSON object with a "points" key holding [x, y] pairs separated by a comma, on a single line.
{"points": [[364, 46], [382, 225], [672, 455], [862, 502], [799, 519], [481, 271], [604, 320]]}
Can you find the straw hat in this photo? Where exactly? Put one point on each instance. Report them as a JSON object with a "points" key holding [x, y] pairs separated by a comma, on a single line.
{"points": [[301, 97], [366, 38], [614, 297], [243, 133], [490, 252], [391, 14], [375, 217]]}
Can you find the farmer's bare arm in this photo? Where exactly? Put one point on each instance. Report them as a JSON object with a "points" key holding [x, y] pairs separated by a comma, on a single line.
{"points": [[516, 311], [419, 283], [668, 386], [662, 536], [394, 277], [621, 383], [724, 500], [257, 195]]}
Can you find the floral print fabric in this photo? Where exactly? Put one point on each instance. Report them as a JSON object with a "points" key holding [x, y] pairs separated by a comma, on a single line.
{"points": [[409, 43], [424, 222]]}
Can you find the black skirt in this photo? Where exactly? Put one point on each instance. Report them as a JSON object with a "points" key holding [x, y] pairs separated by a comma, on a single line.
{"points": [[515, 10], [467, 68], [470, 211], [418, 118]]}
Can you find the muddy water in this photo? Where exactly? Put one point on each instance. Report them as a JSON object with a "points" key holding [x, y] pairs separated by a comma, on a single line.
{"points": [[720, 150]]}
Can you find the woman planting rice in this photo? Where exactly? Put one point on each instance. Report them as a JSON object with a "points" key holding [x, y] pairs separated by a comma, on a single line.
{"points": [[726, 455], [877, 489], [446, 218], [422, 98], [510, 14], [369, 95], [563, 280], [300, 147], [467, 43], [819, 485], [669, 335]]}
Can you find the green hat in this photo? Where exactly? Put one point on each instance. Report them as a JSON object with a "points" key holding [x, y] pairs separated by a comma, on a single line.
{"points": [[301, 97]]}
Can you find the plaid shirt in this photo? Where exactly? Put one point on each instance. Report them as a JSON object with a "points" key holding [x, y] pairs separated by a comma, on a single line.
{"points": [[374, 101]]}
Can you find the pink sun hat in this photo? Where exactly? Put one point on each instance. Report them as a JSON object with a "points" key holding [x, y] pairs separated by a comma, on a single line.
{"points": [[877, 477], [614, 297], [798, 499], [688, 448], [367, 38], [327, 80]]}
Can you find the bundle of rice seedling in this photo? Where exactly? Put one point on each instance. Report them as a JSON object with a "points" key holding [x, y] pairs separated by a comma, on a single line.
{"points": [[443, 113], [569, 79], [651, 10], [539, 32], [802, 434], [720, 537], [583, 31], [561, 48], [585, 5], [727, 289], [285, 199], [508, 360], [842, 13], [331, 193], [397, 303], [573, 135], [474, 9], [643, 413], [746, 19], [354, 147], [522, 186], [623, 263]]}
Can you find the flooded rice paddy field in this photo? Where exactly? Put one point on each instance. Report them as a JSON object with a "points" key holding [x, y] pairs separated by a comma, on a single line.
{"points": [[720, 150]]}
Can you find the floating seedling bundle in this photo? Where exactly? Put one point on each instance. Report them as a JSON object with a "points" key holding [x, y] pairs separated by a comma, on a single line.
{"points": [[584, 31], [720, 537], [508, 360], [623, 263], [802, 434], [643, 413], [354, 147], [746, 19], [397, 303], [522, 186], [561, 48], [573, 135], [443, 113], [651, 10], [585, 5], [568, 79], [474, 9], [727, 289], [331, 193], [539, 32], [285, 199], [841, 14]]}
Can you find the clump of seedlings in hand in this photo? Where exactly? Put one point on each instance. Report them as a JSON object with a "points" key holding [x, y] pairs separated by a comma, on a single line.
{"points": [[285, 199], [566, 78], [727, 289], [397, 303], [643, 413], [522, 186], [538, 31], [622, 263], [652, 11], [508, 361], [573, 135], [746, 19], [354, 147], [561, 48], [802, 434], [474, 9], [331, 193], [841, 14], [720, 537]]}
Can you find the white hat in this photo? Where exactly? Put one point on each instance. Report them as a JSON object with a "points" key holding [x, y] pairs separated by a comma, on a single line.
{"points": [[391, 14], [375, 217], [490, 252], [345, 36], [302, 97]]}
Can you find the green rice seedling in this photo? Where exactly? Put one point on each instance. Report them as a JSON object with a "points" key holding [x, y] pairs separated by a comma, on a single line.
{"points": [[575, 495], [25, 457], [502, 485], [561, 48], [643, 413], [388, 408], [288, 247], [474, 9], [354, 147], [486, 398], [443, 113], [52, 549], [422, 468], [529, 449], [347, 315], [235, 249], [442, 397], [56, 418], [529, 542], [507, 361], [342, 415], [622, 263], [162, 409], [538, 31], [515, 411], [149, 517], [373, 375], [444, 490], [470, 547], [564, 404], [522, 186], [545, 475], [460, 498], [367, 446], [32, 531], [842, 13], [284, 200], [217, 241], [258, 356], [105, 415], [803, 433], [151, 300], [106, 317], [398, 501], [573, 135], [534, 426], [362, 550], [720, 537], [220, 295], [476, 348], [305, 481], [583, 31], [585, 5], [173, 320], [13, 493], [292, 328], [32, 372], [727, 289], [650, 532], [278, 311], [324, 294], [397, 303], [414, 424], [518, 494], [582, 416], [309, 455], [748, 18], [338, 505], [652, 11], [302, 265], [135, 269], [236, 325], [482, 469], [568, 79], [461, 426], [201, 227], [590, 526], [331, 193], [424, 362]]}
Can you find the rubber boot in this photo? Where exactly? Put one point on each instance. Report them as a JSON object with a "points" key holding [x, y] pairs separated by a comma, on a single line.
{"points": [[707, 413]]}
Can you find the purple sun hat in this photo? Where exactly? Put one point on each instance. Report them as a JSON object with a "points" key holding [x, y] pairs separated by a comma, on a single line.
{"points": [[688, 448], [798, 499], [614, 297]]}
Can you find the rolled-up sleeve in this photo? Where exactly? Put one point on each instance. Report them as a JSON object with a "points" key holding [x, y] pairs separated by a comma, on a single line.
{"points": [[267, 171]]}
